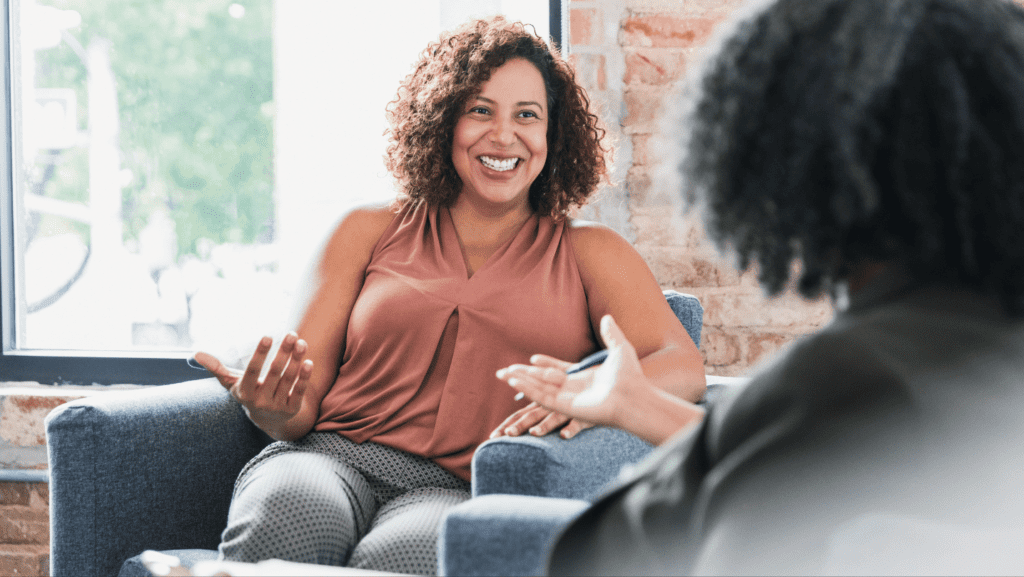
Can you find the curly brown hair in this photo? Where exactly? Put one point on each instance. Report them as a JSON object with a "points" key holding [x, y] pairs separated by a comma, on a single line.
{"points": [[449, 72]]}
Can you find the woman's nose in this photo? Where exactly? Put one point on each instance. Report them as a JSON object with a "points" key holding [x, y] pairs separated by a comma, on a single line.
{"points": [[503, 133]]}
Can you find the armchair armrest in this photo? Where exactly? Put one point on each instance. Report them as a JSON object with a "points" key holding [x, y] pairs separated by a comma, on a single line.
{"points": [[551, 466], [502, 534], [143, 469]]}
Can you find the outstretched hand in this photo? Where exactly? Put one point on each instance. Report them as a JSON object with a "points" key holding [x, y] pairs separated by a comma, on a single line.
{"points": [[276, 398], [538, 420], [595, 395]]}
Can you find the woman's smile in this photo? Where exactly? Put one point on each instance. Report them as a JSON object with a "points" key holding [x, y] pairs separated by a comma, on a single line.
{"points": [[499, 164], [500, 141]]}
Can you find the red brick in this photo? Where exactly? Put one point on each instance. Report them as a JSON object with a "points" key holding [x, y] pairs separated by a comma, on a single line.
{"points": [[24, 560], [20, 525], [638, 186], [761, 346], [712, 8], [647, 66], [36, 403], [643, 108], [15, 493], [720, 348], [641, 149], [735, 310], [42, 491], [677, 267], [591, 71], [584, 26], [792, 310], [656, 229], [21, 418], [666, 31]]}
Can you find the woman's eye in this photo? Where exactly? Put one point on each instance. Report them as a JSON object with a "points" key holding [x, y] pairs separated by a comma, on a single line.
{"points": [[528, 114], [478, 110]]}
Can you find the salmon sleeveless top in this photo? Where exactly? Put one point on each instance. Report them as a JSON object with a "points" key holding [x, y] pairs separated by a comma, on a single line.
{"points": [[425, 339]]}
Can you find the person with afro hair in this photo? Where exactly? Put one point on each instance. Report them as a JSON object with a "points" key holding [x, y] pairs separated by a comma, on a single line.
{"points": [[871, 151]]}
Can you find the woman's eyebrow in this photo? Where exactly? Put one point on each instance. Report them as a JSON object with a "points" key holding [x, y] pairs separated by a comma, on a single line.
{"points": [[520, 103]]}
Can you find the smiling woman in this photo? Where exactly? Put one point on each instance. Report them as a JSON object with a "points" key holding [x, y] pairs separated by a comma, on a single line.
{"points": [[386, 386]]}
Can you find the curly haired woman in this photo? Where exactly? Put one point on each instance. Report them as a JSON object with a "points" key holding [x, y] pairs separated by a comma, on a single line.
{"points": [[387, 386], [878, 142]]}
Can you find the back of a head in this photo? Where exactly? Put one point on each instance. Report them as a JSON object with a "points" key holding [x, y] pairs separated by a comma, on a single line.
{"points": [[843, 131]]}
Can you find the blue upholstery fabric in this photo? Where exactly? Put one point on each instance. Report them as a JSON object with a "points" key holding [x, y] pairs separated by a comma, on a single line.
{"points": [[689, 312], [154, 469], [503, 534], [137, 470], [551, 466]]}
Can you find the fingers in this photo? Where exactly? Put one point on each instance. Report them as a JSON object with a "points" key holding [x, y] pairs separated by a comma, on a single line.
{"points": [[299, 389], [224, 375], [286, 366], [521, 420], [500, 429], [554, 376], [575, 426], [549, 362], [280, 362], [611, 334], [549, 423], [255, 366]]}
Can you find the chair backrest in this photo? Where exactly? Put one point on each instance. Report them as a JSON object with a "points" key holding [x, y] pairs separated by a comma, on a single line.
{"points": [[689, 312]]}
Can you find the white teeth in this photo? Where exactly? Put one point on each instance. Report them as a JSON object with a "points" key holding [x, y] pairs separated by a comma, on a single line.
{"points": [[499, 165]]}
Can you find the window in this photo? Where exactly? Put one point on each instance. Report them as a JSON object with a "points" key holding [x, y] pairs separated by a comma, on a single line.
{"points": [[171, 167]]}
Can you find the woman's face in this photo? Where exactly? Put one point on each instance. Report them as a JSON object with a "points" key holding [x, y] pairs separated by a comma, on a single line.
{"points": [[500, 143]]}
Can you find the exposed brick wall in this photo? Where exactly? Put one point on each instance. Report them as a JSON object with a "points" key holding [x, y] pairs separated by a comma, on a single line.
{"points": [[631, 56], [24, 506], [24, 529]]}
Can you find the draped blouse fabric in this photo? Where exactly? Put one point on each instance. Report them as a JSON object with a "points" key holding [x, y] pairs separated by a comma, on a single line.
{"points": [[425, 339]]}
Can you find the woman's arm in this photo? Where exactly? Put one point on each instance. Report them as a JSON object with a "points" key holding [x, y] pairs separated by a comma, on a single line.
{"points": [[618, 282], [286, 404]]}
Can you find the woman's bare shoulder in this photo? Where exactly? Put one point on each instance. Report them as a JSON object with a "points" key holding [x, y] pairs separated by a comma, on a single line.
{"points": [[369, 218], [358, 231], [594, 239]]}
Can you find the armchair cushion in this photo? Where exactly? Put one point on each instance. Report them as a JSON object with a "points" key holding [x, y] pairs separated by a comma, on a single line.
{"points": [[145, 469]]}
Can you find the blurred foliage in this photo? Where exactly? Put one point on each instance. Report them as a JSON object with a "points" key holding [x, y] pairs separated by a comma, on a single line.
{"points": [[194, 88]]}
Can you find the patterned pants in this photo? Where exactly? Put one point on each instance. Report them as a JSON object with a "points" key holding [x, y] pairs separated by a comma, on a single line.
{"points": [[324, 499]]}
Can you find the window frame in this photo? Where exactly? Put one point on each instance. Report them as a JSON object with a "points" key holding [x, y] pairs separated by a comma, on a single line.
{"points": [[94, 367]]}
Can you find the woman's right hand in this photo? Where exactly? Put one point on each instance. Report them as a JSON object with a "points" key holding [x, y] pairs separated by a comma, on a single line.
{"points": [[270, 403]]}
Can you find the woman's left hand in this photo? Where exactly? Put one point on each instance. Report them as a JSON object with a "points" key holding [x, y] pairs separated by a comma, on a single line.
{"points": [[538, 420]]}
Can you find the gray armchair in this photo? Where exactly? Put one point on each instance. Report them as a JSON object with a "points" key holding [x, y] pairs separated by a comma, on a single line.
{"points": [[154, 469]]}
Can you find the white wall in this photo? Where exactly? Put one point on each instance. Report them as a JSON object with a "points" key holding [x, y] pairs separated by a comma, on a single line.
{"points": [[336, 66]]}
